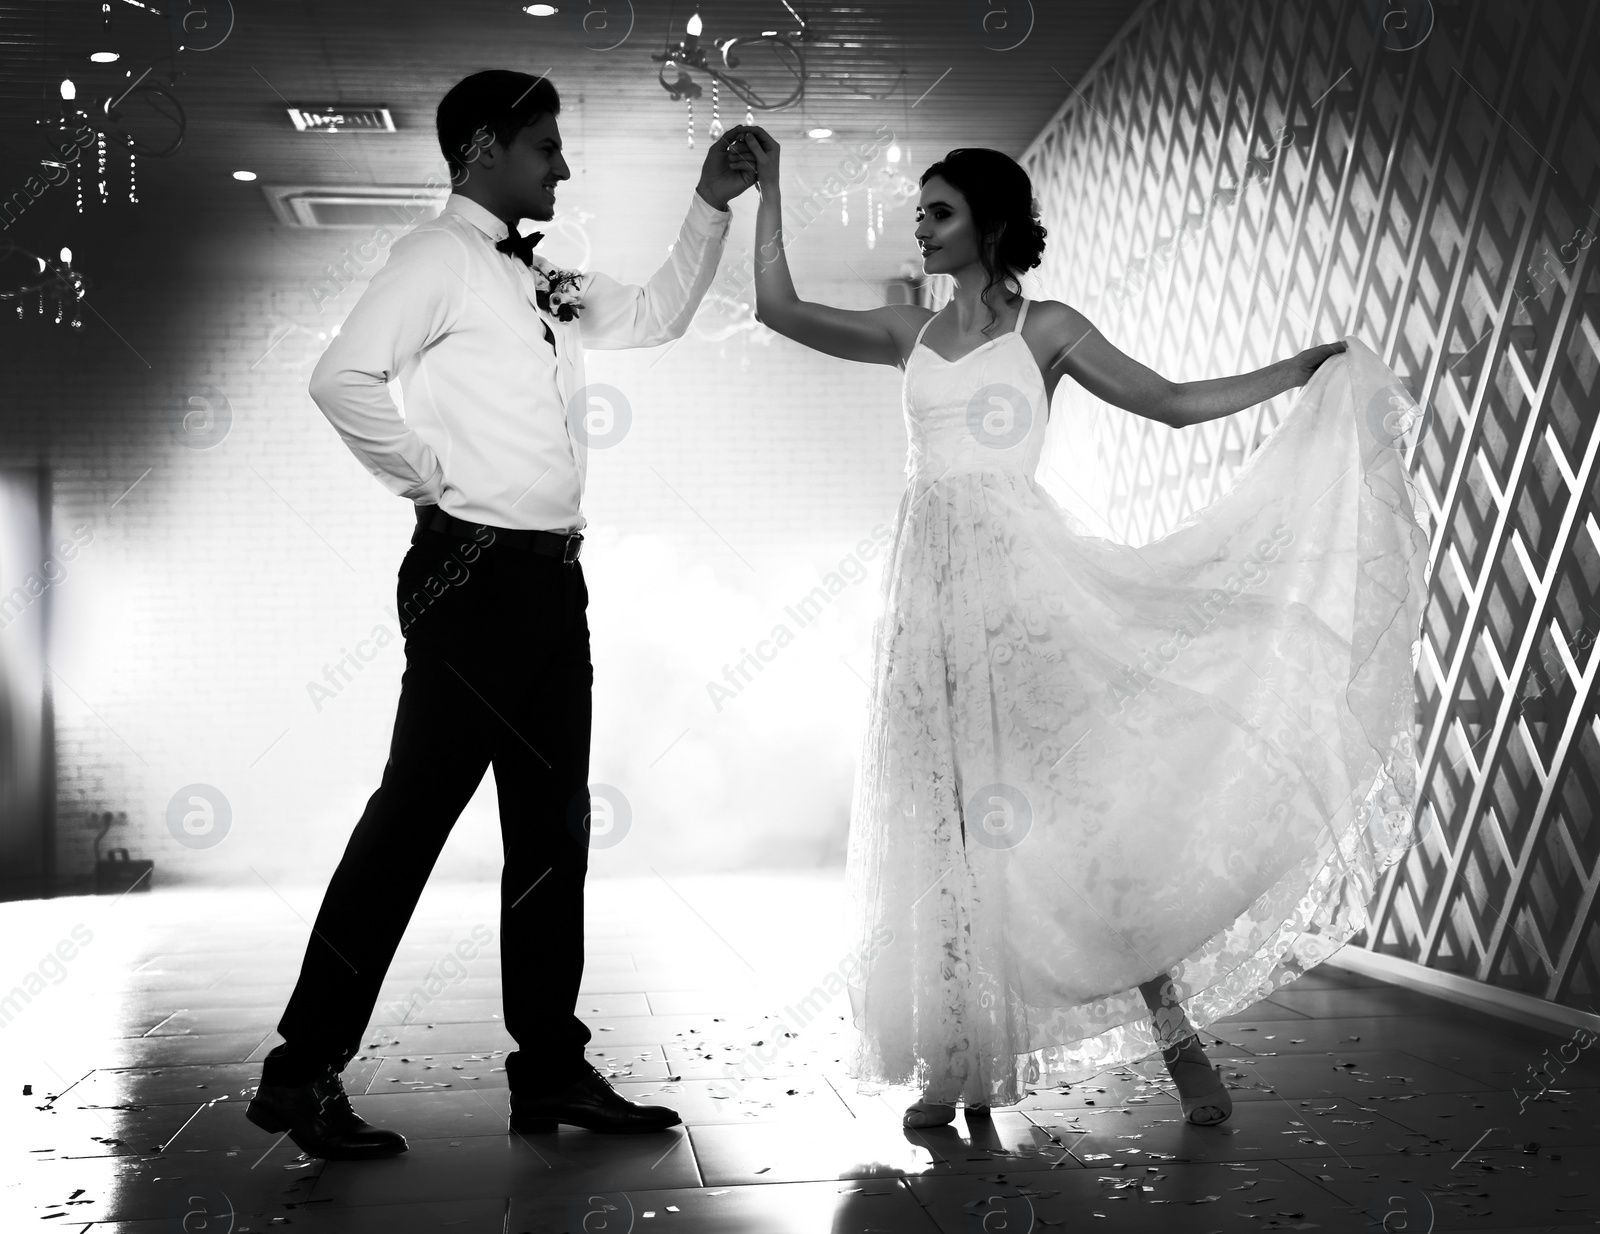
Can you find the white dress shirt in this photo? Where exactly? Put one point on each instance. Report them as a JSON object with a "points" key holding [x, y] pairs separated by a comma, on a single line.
{"points": [[486, 433]]}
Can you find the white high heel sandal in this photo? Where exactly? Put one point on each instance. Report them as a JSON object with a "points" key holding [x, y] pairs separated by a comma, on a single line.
{"points": [[1204, 1097]]}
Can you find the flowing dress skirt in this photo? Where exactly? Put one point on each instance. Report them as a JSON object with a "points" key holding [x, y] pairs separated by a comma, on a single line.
{"points": [[1088, 763]]}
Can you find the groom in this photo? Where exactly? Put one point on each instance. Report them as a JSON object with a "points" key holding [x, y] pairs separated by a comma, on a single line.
{"points": [[492, 602]]}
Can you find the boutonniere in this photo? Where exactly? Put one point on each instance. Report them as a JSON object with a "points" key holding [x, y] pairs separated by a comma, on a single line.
{"points": [[557, 292]]}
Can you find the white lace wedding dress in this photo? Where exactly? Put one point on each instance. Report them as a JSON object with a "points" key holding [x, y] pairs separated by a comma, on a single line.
{"points": [[1088, 763]]}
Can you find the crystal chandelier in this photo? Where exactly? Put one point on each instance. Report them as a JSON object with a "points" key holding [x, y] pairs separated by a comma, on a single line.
{"points": [[690, 54], [53, 288]]}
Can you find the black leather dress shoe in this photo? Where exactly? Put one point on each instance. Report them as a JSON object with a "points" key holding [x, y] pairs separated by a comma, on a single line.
{"points": [[588, 1102], [319, 1118]]}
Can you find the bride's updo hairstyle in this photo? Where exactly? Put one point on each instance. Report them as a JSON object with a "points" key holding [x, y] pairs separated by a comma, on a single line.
{"points": [[1000, 195]]}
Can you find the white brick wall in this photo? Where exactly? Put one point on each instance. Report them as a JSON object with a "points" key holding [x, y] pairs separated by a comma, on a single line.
{"points": [[226, 579]]}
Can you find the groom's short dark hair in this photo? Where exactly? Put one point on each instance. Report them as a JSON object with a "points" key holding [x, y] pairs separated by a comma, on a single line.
{"points": [[501, 101]]}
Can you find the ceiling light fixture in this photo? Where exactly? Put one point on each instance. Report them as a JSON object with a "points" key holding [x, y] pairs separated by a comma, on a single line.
{"points": [[131, 121], [819, 134], [541, 10], [54, 286], [690, 54], [342, 118], [104, 57]]}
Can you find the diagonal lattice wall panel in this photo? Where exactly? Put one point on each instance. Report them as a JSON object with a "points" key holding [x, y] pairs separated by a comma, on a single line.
{"points": [[1236, 180]]}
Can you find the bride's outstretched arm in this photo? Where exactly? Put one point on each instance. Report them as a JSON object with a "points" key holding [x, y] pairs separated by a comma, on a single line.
{"points": [[1090, 359], [874, 336]]}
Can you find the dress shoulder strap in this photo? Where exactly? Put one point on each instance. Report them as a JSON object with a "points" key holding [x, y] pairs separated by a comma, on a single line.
{"points": [[1022, 314]]}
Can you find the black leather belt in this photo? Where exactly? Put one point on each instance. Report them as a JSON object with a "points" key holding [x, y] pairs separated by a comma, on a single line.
{"points": [[565, 545]]}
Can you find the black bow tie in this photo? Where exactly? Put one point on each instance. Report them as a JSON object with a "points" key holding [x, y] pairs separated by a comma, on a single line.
{"points": [[520, 246]]}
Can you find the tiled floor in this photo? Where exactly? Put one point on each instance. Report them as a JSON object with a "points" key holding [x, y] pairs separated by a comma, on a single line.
{"points": [[1358, 1106]]}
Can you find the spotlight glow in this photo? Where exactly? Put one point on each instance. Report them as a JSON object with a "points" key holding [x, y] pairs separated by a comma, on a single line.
{"points": [[104, 57], [244, 175], [541, 10]]}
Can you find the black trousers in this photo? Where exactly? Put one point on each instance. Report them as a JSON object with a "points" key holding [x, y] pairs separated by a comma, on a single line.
{"points": [[497, 673]]}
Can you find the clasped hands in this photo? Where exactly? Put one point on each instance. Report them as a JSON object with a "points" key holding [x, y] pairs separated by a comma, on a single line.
{"points": [[732, 163]]}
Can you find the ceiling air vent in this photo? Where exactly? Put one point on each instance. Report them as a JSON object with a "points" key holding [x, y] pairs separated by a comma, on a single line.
{"points": [[342, 118], [359, 205]]}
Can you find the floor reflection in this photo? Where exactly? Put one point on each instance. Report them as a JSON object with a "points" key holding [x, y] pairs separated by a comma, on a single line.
{"points": [[1355, 1103]]}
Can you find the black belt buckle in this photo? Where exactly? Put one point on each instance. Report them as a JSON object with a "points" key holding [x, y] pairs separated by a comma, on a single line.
{"points": [[573, 548]]}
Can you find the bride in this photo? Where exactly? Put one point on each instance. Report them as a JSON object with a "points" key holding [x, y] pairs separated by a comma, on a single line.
{"points": [[1107, 793]]}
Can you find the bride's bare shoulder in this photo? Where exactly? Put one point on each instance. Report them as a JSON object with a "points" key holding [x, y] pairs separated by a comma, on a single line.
{"points": [[1056, 316]]}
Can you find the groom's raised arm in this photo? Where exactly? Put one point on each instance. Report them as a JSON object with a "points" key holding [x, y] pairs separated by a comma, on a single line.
{"points": [[408, 306], [615, 315]]}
